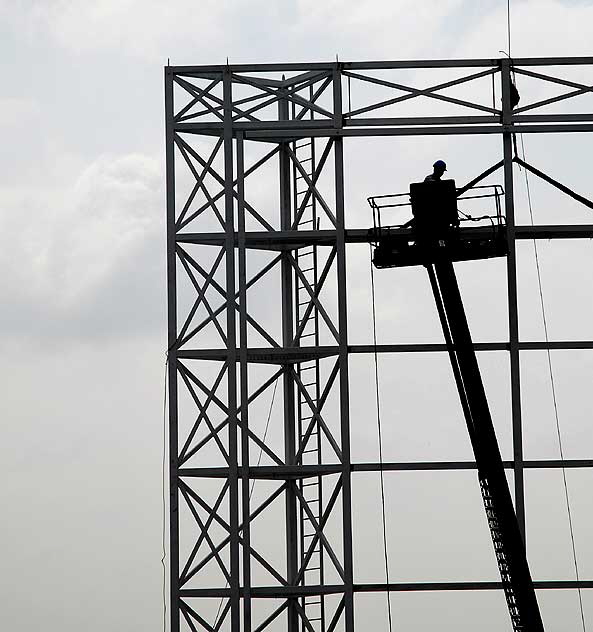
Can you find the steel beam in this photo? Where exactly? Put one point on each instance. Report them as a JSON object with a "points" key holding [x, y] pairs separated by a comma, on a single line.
{"points": [[513, 308], [172, 358]]}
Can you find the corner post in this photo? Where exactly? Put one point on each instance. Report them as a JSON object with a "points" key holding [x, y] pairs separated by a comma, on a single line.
{"points": [[174, 603], [515, 367], [288, 381], [231, 350], [343, 352]]}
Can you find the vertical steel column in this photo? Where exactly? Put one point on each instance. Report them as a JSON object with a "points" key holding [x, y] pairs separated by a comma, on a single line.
{"points": [[343, 355], [231, 349], [244, 377], [172, 358], [507, 141], [288, 381]]}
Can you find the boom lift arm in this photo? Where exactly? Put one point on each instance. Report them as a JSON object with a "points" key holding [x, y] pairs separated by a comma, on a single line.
{"points": [[435, 241], [502, 520]]}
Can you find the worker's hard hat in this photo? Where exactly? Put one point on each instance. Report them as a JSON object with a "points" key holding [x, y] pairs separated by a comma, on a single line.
{"points": [[440, 163]]}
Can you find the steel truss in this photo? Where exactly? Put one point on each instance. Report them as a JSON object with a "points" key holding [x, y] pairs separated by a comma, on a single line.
{"points": [[215, 115]]}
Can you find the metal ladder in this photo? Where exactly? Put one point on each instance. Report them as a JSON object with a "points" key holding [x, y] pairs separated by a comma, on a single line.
{"points": [[308, 373], [500, 552]]}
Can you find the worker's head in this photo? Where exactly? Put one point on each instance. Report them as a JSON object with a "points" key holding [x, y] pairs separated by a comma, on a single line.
{"points": [[439, 168]]}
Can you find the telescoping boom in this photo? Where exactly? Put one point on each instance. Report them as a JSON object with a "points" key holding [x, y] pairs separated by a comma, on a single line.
{"points": [[435, 241]]}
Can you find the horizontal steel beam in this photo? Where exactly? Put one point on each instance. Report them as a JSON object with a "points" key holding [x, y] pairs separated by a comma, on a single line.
{"points": [[286, 592], [282, 134], [447, 586], [292, 355], [291, 239], [452, 123], [381, 65], [295, 472]]}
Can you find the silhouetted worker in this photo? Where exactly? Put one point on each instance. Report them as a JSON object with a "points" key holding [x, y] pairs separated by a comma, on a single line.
{"points": [[515, 98], [438, 169]]}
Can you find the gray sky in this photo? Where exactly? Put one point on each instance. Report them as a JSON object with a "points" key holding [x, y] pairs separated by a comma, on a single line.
{"points": [[82, 334]]}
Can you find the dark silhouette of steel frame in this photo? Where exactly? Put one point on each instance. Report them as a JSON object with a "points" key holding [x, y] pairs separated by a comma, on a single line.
{"points": [[210, 110]]}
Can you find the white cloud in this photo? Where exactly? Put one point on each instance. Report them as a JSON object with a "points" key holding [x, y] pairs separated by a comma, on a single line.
{"points": [[77, 260]]}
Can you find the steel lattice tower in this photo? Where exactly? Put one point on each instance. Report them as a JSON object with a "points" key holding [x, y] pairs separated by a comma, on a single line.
{"points": [[225, 363]]}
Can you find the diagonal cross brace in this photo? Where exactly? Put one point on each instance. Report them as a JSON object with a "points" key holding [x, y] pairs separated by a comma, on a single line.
{"points": [[318, 289], [318, 526], [200, 539], [218, 428], [314, 179], [199, 94], [581, 89], [221, 193], [314, 294], [281, 93], [284, 92], [203, 415], [179, 141], [266, 503], [305, 439], [222, 307], [426, 92], [201, 292], [311, 185], [227, 527], [315, 410], [203, 531], [200, 180], [198, 185], [223, 293]]}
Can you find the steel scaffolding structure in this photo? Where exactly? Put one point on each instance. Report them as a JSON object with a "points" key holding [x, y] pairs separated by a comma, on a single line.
{"points": [[299, 114]]}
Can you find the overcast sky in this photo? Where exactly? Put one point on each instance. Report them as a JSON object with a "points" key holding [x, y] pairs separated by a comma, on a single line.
{"points": [[82, 335]]}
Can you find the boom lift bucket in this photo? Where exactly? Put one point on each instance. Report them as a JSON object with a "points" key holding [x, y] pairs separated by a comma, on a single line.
{"points": [[436, 230]]}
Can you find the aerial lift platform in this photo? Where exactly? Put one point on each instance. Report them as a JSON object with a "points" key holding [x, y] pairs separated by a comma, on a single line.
{"points": [[435, 238]]}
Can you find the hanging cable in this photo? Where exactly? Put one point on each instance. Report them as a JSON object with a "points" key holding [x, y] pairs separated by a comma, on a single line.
{"points": [[553, 386], [378, 403], [509, 26]]}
